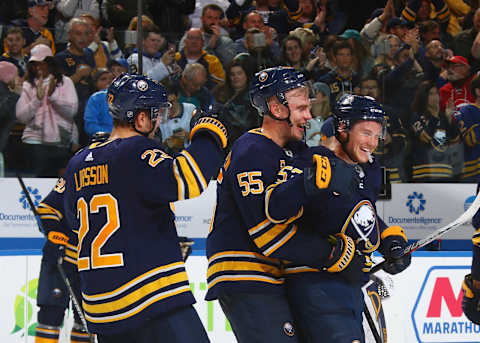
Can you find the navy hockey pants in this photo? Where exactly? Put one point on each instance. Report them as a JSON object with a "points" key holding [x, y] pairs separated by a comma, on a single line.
{"points": [[182, 325], [259, 318], [326, 310]]}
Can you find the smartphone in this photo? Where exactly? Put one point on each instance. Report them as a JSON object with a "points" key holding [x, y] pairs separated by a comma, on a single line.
{"points": [[259, 40], [130, 37]]}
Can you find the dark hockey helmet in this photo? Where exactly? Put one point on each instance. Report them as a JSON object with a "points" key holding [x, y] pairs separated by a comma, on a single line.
{"points": [[273, 82], [352, 108], [129, 93]]}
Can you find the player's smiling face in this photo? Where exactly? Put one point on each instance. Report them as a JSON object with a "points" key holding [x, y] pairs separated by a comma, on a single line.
{"points": [[299, 104], [363, 140]]}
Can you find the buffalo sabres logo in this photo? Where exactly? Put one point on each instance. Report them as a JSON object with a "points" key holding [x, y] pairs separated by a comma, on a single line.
{"points": [[364, 221], [288, 329], [142, 86], [60, 185], [263, 76]]}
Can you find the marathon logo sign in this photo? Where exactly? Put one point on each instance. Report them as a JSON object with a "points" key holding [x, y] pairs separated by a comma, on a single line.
{"points": [[437, 315]]}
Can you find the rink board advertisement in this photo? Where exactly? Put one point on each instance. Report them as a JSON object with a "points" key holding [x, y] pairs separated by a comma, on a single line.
{"points": [[425, 305], [418, 208]]}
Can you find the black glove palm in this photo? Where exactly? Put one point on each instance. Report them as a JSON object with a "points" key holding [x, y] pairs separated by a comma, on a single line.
{"points": [[53, 252], [396, 260]]}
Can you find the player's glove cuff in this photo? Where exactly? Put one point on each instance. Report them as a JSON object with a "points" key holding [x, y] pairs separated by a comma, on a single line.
{"points": [[342, 253], [394, 242], [331, 175], [58, 238], [212, 126], [471, 300]]}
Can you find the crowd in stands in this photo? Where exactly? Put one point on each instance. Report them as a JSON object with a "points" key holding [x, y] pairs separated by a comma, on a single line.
{"points": [[419, 58]]}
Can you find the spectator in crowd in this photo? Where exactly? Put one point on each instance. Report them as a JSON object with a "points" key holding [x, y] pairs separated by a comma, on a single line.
{"points": [[130, 34], [362, 59], [433, 131], [254, 20], [118, 67], [429, 30], [171, 16], [307, 38], [402, 81], [398, 27], [15, 42], [77, 62], [292, 53], [97, 118], [467, 120], [34, 26], [237, 110], [119, 13], [320, 111], [384, 51], [258, 52], [392, 152], [434, 60], [457, 91], [10, 89], [103, 48], [419, 10], [193, 53], [156, 64], [467, 43], [173, 134], [214, 42], [192, 87], [68, 9], [376, 25], [343, 79], [47, 106]]}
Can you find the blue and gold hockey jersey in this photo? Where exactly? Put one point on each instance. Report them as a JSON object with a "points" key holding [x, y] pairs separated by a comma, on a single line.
{"points": [[117, 199], [246, 248], [467, 120], [328, 213], [52, 215]]}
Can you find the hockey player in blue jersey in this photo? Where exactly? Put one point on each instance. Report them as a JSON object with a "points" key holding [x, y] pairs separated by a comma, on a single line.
{"points": [[327, 304], [52, 295], [245, 248], [471, 283], [117, 198]]}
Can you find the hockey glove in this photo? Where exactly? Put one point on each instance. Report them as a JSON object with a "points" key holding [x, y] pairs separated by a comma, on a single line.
{"points": [[346, 261], [471, 300], [185, 247], [54, 248], [208, 122], [328, 175], [394, 242]]}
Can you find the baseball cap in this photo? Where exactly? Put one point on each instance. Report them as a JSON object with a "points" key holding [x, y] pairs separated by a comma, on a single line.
{"points": [[350, 33], [376, 13], [32, 3], [328, 128], [39, 52], [394, 22], [120, 62], [458, 60]]}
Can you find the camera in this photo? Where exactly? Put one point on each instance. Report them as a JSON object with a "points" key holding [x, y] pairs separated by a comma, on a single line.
{"points": [[130, 37], [259, 40]]}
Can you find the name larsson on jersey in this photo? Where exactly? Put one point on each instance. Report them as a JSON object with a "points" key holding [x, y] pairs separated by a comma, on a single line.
{"points": [[91, 176]]}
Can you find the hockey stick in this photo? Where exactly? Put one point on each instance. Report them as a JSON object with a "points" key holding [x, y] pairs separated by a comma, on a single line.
{"points": [[466, 216], [30, 203], [75, 302], [60, 267], [371, 324]]}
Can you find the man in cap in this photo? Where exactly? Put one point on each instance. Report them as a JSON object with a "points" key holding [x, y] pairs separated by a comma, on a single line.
{"points": [[457, 91]]}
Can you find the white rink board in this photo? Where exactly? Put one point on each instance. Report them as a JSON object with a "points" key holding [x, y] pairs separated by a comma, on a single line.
{"points": [[425, 305], [440, 204]]}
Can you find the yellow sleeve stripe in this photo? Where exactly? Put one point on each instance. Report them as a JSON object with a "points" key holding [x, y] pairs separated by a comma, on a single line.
{"points": [[258, 278], [49, 217], [141, 307], [180, 185], [54, 331], [241, 254], [46, 209], [280, 243], [394, 231], [133, 282], [196, 169], [270, 235], [71, 254], [188, 177], [258, 227], [133, 297], [243, 266]]}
